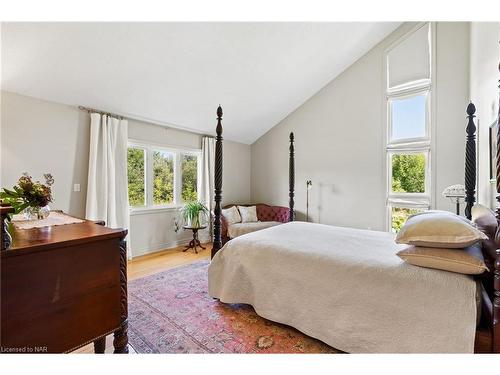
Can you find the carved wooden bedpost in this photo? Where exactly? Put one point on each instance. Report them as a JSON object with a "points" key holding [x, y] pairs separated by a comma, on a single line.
{"points": [[470, 162], [120, 340], [496, 305], [496, 271], [218, 185], [291, 182], [5, 238]]}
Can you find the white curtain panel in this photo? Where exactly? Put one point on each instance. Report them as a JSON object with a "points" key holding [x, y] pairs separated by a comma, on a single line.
{"points": [[107, 195], [207, 174]]}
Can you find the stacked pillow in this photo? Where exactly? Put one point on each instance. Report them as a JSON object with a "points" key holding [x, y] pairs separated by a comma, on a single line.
{"points": [[442, 240]]}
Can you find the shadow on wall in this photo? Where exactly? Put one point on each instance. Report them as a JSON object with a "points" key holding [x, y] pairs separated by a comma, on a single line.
{"points": [[78, 199], [324, 190], [301, 216]]}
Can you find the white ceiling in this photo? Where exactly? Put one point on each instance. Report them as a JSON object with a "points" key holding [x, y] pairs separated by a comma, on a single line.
{"points": [[178, 73]]}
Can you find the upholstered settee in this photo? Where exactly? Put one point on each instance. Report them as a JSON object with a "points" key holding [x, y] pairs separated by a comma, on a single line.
{"points": [[267, 216]]}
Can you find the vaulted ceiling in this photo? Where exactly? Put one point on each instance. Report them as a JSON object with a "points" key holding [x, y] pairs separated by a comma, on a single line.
{"points": [[178, 73]]}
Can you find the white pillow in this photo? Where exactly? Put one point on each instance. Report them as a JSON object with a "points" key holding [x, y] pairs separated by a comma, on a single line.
{"points": [[439, 229], [231, 215], [248, 214]]}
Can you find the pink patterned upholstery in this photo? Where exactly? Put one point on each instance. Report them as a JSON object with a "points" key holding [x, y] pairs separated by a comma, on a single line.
{"points": [[272, 213], [264, 213]]}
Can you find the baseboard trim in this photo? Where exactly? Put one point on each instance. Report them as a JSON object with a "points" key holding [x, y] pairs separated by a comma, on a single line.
{"points": [[168, 245]]}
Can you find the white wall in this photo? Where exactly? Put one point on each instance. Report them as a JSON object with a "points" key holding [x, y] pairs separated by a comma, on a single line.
{"points": [[452, 98], [484, 76], [40, 136], [43, 137], [339, 138]]}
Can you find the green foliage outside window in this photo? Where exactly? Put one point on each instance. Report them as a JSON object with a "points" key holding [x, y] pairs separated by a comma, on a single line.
{"points": [[408, 173], [408, 176], [136, 183], [163, 178], [189, 165], [400, 215]]}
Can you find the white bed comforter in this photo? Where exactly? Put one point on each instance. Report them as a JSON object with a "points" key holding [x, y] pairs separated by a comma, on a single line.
{"points": [[347, 288]]}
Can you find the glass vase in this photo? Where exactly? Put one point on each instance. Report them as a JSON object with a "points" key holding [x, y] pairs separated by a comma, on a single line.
{"points": [[36, 213], [31, 213]]}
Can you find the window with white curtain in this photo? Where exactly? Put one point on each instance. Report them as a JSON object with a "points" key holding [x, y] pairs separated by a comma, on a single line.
{"points": [[408, 120], [161, 177]]}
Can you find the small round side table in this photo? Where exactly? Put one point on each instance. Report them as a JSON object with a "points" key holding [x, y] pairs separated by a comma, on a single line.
{"points": [[195, 241]]}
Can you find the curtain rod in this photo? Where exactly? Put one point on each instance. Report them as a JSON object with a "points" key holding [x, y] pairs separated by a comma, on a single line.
{"points": [[92, 110], [146, 120]]}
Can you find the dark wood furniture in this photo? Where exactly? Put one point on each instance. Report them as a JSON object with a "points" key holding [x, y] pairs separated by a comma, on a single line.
{"points": [[291, 178], [63, 287], [5, 238], [195, 242], [488, 331], [217, 245]]}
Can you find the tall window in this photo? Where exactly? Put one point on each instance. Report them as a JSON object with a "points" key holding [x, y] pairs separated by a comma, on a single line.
{"points": [[161, 177], [408, 146]]}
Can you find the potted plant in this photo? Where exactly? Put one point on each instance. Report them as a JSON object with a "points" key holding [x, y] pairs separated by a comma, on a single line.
{"points": [[30, 197], [191, 213]]}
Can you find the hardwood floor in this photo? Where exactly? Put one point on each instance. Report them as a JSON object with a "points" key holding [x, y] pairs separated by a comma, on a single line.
{"points": [[153, 263], [150, 264]]}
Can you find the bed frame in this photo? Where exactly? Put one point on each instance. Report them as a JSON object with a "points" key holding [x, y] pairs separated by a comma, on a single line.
{"points": [[488, 330]]}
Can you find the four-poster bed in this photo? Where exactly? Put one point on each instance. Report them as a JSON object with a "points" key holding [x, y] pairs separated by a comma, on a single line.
{"points": [[346, 286]]}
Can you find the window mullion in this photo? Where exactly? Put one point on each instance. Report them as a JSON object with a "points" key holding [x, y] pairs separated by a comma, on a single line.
{"points": [[149, 183], [198, 179], [177, 178], [411, 89], [409, 147]]}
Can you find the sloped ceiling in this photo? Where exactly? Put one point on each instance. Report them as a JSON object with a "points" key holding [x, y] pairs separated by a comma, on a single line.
{"points": [[178, 73]]}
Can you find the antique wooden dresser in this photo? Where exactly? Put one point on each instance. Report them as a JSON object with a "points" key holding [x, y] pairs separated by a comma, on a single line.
{"points": [[63, 287]]}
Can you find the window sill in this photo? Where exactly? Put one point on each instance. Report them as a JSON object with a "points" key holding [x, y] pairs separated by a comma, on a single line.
{"points": [[152, 210]]}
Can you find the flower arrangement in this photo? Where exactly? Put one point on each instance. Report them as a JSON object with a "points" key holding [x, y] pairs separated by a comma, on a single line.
{"points": [[28, 193]]}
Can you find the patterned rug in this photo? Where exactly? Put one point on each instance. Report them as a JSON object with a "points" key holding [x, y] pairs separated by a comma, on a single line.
{"points": [[171, 312]]}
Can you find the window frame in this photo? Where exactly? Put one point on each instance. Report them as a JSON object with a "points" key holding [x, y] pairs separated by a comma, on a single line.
{"points": [[427, 173], [177, 152], [424, 144], [416, 90]]}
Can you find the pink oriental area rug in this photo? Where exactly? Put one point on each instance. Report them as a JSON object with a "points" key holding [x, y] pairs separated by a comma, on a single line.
{"points": [[171, 312]]}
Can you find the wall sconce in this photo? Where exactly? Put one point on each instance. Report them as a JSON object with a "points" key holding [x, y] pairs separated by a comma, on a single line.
{"points": [[456, 193], [308, 187]]}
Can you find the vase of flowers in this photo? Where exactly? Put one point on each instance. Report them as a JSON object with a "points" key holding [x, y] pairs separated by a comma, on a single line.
{"points": [[30, 197]]}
